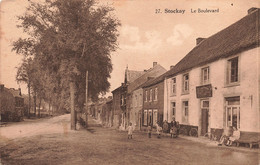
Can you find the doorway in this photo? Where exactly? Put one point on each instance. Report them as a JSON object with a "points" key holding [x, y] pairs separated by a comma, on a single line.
{"points": [[204, 117], [233, 112]]}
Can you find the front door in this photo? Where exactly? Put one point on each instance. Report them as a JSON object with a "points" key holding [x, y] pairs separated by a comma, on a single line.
{"points": [[123, 120], [140, 120], [204, 116]]}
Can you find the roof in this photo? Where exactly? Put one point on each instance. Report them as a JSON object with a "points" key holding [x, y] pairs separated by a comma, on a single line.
{"points": [[152, 72], [118, 89], [14, 92], [155, 80], [132, 75], [238, 37]]}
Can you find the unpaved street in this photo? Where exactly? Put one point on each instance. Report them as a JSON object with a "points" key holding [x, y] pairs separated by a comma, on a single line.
{"points": [[49, 141]]}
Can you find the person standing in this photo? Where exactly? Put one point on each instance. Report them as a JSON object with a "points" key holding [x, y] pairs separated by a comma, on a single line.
{"points": [[130, 131], [173, 128], [165, 126], [158, 130], [149, 130]]}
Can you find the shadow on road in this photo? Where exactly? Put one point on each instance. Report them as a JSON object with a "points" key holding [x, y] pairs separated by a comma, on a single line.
{"points": [[91, 130], [92, 124]]}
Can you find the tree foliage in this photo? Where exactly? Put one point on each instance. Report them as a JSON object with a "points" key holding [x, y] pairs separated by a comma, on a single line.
{"points": [[66, 39]]}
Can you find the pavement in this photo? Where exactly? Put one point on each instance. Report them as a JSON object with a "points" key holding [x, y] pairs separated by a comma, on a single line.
{"points": [[203, 140]]}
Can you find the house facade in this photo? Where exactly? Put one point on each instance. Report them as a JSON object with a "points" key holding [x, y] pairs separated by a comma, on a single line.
{"points": [[136, 107], [135, 94], [120, 101], [11, 104], [217, 84], [153, 102]]}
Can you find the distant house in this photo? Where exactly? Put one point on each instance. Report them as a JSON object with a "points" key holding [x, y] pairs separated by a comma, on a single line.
{"points": [[119, 98], [11, 104], [153, 101], [216, 85], [106, 113], [135, 95]]}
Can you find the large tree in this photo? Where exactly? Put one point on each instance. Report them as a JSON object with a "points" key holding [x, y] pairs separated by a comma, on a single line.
{"points": [[70, 38], [25, 75]]}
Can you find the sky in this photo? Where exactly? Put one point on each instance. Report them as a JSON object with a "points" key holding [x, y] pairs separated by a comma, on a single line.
{"points": [[145, 36]]}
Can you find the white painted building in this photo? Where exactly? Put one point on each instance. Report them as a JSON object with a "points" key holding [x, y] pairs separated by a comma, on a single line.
{"points": [[217, 84]]}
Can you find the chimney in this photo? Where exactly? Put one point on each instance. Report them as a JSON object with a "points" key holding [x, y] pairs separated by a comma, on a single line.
{"points": [[20, 91], [251, 10], [2, 87], [172, 66], [198, 40], [154, 64]]}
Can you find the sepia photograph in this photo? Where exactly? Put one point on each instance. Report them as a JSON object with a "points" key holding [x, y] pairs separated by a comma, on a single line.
{"points": [[118, 82]]}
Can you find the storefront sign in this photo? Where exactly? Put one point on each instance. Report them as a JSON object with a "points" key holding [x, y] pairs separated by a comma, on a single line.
{"points": [[204, 91]]}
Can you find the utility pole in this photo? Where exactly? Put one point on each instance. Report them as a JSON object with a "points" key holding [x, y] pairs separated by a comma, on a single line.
{"points": [[72, 105], [86, 113]]}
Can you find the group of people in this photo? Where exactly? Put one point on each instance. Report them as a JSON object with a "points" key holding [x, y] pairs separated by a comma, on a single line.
{"points": [[174, 129], [229, 136]]}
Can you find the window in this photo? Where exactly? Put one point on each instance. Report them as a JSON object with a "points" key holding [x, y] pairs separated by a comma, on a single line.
{"points": [[185, 87], [122, 100], [173, 107], [136, 101], [141, 100], [185, 114], [150, 117], [146, 95], [155, 117], [205, 75], [151, 95], [155, 94], [232, 76], [145, 117], [233, 112], [173, 86]]}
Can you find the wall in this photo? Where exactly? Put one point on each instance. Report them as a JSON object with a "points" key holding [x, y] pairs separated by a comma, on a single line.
{"points": [[116, 108], [248, 90], [159, 104], [136, 107]]}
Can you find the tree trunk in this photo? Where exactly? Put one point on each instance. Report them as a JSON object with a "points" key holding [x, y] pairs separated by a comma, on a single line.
{"points": [[34, 101], [72, 105], [49, 106], [39, 108], [29, 95]]}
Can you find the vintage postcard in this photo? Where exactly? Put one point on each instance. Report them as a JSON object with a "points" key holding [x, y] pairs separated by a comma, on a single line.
{"points": [[129, 82]]}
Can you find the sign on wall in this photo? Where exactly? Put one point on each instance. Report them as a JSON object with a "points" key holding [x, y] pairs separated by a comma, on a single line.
{"points": [[204, 91]]}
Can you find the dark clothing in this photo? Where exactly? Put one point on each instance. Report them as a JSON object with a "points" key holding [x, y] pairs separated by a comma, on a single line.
{"points": [[165, 127], [173, 124]]}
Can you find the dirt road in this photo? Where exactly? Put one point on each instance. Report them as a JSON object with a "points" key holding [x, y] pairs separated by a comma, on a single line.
{"points": [[50, 141]]}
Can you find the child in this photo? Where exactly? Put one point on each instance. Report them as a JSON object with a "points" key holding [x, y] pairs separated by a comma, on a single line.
{"points": [[130, 131], [149, 131], [158, 130], [171, 132]]}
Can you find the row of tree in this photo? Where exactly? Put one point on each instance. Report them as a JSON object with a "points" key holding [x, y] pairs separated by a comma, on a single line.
{"points": [[65, 40]]}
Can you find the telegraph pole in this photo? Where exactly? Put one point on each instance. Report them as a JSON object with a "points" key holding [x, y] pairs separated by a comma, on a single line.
{"points": [[86, 113]]}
